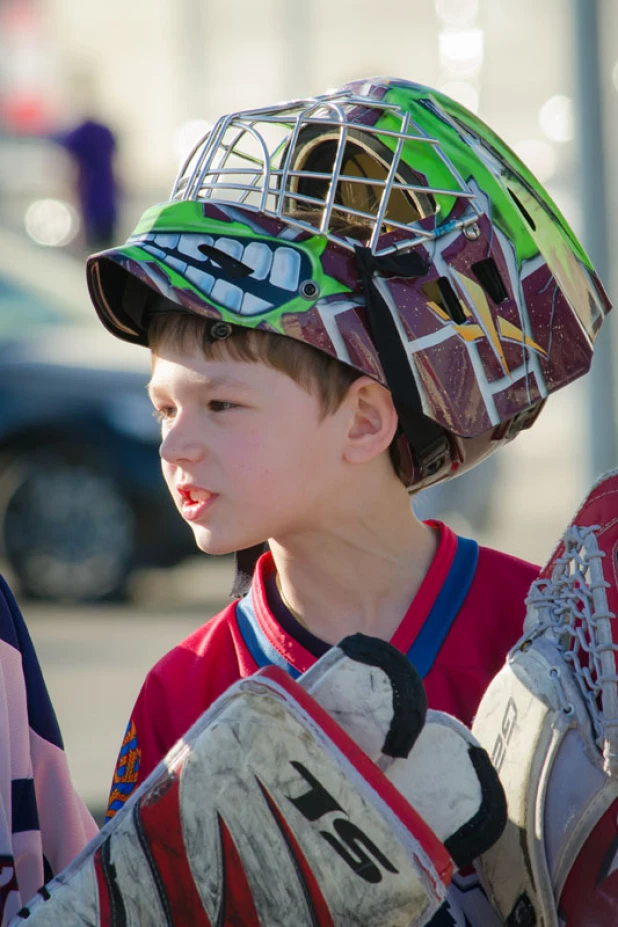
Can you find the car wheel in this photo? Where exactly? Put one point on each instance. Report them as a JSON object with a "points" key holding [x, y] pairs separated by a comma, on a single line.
{"points": [[68, 531]]}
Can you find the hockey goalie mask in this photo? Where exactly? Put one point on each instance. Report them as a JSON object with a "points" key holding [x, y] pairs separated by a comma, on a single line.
{"points": [[387, 226]]}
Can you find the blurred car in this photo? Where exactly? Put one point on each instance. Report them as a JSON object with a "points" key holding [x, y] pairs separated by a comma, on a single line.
{"points": [[82, 498]]}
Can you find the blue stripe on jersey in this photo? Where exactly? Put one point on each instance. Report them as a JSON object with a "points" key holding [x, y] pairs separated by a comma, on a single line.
{"points": [[13, 631], [449, 600], [23, 806], [429, 640], [256, 641]]}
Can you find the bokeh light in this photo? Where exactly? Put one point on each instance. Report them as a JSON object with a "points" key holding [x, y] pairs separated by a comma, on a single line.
{"points": [[51, 222], [461, 52], [556, 118]]}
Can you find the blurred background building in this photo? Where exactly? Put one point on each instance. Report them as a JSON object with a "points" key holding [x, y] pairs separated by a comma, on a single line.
{"points": [[151, 75]]}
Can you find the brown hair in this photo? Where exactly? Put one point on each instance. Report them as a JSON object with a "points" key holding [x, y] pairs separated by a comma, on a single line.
{"points": [[318, 373]]}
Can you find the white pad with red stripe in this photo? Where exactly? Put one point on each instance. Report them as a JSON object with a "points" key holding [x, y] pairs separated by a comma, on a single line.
{"points": [[268, 812]]}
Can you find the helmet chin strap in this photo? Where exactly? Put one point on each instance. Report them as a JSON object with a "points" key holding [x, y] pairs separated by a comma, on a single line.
{"points": [[428, 441]]}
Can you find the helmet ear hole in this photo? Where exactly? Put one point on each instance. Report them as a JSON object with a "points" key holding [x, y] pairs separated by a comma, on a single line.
{"points": [[488, 275], [442, 295]]}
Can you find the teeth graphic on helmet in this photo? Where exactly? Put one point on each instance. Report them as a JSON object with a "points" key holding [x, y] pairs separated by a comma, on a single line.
{"points": [[258, 256], [175, 264], [189, 244], [281, 267], [227, 294], [156, 252], [230, 246], [203, 281], [253, 305], [286, 269], [168, 240]]}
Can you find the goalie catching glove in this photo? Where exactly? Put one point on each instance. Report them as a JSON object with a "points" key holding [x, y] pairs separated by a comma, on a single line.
{"points": [[276, 808], [549, 721]]}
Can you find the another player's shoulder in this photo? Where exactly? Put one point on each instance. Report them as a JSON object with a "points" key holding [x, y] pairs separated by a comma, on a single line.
{"points": [[11, 621]]}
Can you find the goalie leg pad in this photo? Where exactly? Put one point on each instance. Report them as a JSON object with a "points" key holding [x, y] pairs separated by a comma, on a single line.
{"points": [[267, 813], [447, 777]]}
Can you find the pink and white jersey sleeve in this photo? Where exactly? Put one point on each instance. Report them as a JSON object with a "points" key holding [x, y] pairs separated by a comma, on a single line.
{"points": [[43, 822]]}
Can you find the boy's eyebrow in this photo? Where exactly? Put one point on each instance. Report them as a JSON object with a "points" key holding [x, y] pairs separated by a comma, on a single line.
{"points": [[206, 383]]}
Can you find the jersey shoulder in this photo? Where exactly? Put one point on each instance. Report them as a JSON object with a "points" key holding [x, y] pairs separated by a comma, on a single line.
{"points": [[208, 653], [178, 689], [496, 602], [489, 622], [504, 568]]}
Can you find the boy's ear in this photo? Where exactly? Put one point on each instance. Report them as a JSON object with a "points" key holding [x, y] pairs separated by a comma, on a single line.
{"points": [[373, 420]]}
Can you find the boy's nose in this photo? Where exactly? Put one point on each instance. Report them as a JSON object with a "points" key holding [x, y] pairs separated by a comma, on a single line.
{"points": [[175, 448]]}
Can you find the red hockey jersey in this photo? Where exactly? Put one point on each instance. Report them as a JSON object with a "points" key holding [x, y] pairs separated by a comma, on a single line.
{"points": [[466, 615]]}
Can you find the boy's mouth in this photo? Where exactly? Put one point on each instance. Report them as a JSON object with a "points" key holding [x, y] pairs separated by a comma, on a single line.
{"points": [[194, 500]]}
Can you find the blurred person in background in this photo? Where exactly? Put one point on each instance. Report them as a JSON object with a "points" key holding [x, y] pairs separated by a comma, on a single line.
{"points": [[92, 145], [43, 822]]}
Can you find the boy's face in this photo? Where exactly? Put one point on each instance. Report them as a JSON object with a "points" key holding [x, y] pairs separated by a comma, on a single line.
{"points": [[245, 452]]}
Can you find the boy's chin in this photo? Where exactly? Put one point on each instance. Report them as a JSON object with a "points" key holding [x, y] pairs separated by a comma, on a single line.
{"points": [[213, 549], [216, 547]]}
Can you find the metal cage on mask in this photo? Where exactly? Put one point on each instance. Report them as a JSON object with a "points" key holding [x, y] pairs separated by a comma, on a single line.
{"points": [[309, 156]]}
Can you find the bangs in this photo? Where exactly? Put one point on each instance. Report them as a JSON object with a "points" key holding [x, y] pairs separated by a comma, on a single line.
{"points": [[319, 374]]}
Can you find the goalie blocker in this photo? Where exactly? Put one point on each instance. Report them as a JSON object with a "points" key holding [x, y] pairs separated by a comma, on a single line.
{"points": [[276, 808], [549, 721]]}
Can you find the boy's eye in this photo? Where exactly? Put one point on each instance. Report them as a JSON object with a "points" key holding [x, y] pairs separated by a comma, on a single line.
{"points": [[163, 415], [220, 405]]}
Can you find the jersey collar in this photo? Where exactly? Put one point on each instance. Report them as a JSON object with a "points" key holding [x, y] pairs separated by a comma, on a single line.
{"points": [[419, 635]]}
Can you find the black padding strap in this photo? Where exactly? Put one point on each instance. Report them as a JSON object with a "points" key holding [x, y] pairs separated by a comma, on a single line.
{"points": [[409, 698], [480, 832], [429, 442]]}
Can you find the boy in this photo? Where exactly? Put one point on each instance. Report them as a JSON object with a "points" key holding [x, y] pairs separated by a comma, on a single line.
{"points": [[347, 299]]}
